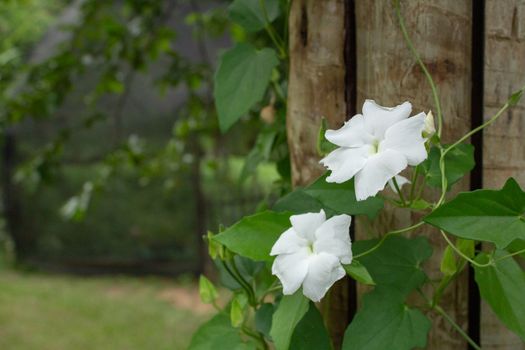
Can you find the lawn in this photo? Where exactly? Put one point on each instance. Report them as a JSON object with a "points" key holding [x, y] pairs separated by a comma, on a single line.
{"points": [[61, 312]]}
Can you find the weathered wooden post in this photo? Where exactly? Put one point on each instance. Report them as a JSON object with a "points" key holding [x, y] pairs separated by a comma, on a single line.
{"points": [[503, 142], [317, 88], [325, 81]]}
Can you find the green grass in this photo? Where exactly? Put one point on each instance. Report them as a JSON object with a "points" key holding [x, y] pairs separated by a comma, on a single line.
{"points": [[56, 312]]}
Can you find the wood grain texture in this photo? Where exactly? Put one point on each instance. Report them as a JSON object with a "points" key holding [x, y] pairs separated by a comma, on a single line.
{"points": [[503, 146], [387, 73], [317, 88], [316, 84]]}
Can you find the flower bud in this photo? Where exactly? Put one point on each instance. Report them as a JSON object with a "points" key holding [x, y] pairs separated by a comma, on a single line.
{"points": [[268, 114], [429, 129]]}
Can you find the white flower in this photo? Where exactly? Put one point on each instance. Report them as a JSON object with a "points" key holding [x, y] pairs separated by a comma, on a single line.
{"points": [[375, 146], [310, 253]]}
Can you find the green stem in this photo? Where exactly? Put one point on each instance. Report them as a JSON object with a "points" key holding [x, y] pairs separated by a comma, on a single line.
{"points": [[398, 189], [460, 253], [422, 65], [461, 140], [277, 41], [270, 290], [395, 232], [479, 128], [251, 293], [278, 91], [413, 184], [510, 255], [244, 286], [442, 312], [255, 335]]}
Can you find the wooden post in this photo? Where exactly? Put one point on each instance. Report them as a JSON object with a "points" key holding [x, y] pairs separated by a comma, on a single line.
{"points": [[503, 149], [317, 88], [388, 73]]}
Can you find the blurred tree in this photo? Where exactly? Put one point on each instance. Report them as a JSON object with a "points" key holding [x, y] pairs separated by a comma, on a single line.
{"points": [[80, 104]]}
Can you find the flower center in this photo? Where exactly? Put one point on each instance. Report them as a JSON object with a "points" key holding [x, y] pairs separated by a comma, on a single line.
{"points": [[375, 146], [310, 247]]}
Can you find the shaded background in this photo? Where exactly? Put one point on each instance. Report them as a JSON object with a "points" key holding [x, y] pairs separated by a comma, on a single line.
{"points": [[113, 165]]}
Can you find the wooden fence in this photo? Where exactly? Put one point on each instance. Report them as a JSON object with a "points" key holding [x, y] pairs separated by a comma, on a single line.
{"points": [[344, 51]]}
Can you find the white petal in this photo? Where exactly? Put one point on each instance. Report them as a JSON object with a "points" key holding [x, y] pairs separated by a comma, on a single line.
{"points": [[401, 180], [351, 134], [377, 171], [291, 269], [378, 118], [345, 162], [323, 271], [407, 137], [333, 237], [288, 242], [306, 224]]}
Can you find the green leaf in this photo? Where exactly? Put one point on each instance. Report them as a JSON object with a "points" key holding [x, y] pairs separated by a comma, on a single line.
{"points": [[323, 145], [448, 264], [310, 333], [254, 236], [218, 333], [237, 307], [515, 98], [241, 80], [458, 162], [397, 262], [251, 15], [333, 198], [358, 271], [290, 311], [466, 246], [385, 322], [420, 204], [502, 286], [517, 246], [207, 290], [260, 152], [484, 215], [263, 319]]}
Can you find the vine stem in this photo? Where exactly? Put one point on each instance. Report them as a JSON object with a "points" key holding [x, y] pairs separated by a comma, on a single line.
{"points": [[278, 42], [449, 319], [460, 253], [240, 281], [415, 175], [385, 236], [255, 335], [442, 312], [510, 255], [461, 140], [422, 65], [251, 293], [398, 190]]}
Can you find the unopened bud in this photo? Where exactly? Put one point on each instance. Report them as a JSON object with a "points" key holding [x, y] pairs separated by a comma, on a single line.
{"points": [[268, 114], [429, 129]]}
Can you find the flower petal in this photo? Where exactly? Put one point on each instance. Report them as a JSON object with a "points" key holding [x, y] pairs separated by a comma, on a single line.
{"points": [[345, 162], [291, 269], [377, 171], [323, 271], [378, 118], [407, 137], [289, 242], [401, 180], [333, 237], [351, 134], [306, 224]]}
